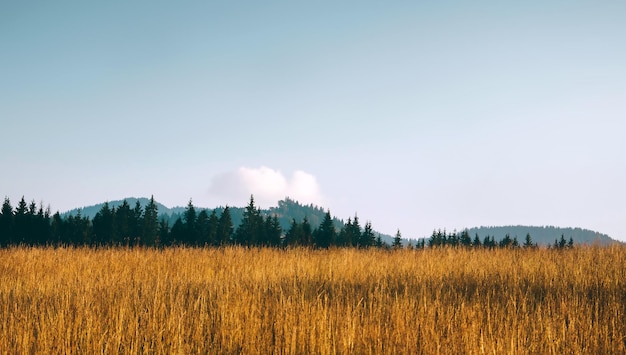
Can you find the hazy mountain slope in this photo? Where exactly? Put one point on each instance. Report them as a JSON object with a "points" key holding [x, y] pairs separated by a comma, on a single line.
{"points": [[543, 235]]}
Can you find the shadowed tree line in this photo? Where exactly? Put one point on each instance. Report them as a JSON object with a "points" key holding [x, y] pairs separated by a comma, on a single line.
{"points": [[126, 225], [135, 225], [441, 238]]}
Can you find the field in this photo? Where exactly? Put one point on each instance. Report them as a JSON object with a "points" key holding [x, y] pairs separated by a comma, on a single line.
{"points": [[300, 301]]}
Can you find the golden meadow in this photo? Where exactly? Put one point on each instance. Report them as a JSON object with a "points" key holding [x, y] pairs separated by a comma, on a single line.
{"points": [[300, 301]]}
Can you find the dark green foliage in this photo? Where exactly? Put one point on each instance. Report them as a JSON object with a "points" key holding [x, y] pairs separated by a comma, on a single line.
{"points": [[225, 228], [325, 235], [150, 224], [31, 224], [273, 232], [476, 243], [7, 224], [464, 239], [367, 238], [250, 231], [104, 226], [397, 241]]}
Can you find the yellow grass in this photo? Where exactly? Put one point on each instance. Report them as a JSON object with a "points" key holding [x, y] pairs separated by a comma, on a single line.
{"points": [[299, 301]]}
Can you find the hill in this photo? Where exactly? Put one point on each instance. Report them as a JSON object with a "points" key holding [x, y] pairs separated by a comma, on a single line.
{"points": [[543, 235]]}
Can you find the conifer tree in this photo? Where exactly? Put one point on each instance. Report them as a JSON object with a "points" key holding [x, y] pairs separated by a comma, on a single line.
{"points": [[6, 223], [273, 231], [165, 238], [21, 222], [202, 229], [368, 238], [306, 236], [103, 226], [528, 241], [325, 235], [136, 221], [224, 228], [123, 224], [189, 233], [476, 243], [293, 235], [397, 241], [251, 228], [465, 239], [213, 225], [150, 235]]}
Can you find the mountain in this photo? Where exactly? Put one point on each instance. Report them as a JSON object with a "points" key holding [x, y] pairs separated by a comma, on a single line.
{"points": [[91, 211], [543, 235], [286, 211]]}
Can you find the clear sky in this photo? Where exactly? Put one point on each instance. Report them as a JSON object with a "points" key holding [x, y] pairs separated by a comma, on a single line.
{"points": [[415, 115]]}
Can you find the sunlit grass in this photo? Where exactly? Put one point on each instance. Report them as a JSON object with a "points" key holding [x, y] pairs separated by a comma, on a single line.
{"points": [[237, 300]]}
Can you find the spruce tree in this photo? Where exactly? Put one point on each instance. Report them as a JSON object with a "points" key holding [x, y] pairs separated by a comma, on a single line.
{"points": [[397, 241], [189, 236], [6, 223], [306, 237], [103, 226], [528, 241], [250, 230], [476, 243], [202, 229], [213, 225], [224, 228], [325, 235], [368, 238], [150, 235], [273, 231], [293, 235]]}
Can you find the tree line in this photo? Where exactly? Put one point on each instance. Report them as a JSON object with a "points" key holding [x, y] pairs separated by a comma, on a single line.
{"points": [[441, 238], [126, 225]]}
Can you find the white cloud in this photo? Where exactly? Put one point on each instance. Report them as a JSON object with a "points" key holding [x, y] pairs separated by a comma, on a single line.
{"points": [[267, 185]]}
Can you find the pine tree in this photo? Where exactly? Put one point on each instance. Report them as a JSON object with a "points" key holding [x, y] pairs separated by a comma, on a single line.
{"points": [[250, 230], [570, 243], [103, 226], [292, 237], [307, 233], [562, 242], [273, 231], [397, 241], [476, 243], [189, 235], [465, 239], [528, 242], [7, 223], [343, 238], [150, 235], [224, 228], [326, 235], [57, 230], [123, 224], [165, 238], [368, 238], [213, 225], [136, 220], [21, 222]]}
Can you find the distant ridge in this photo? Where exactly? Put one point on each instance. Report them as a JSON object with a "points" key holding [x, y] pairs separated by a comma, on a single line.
{"points": [[543, 235]]}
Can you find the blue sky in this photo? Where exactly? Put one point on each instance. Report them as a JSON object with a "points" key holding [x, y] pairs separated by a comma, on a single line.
{"points": [[415, 115]]}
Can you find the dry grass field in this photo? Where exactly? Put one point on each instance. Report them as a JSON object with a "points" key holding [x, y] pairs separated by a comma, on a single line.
{"points": [[299, 301]]}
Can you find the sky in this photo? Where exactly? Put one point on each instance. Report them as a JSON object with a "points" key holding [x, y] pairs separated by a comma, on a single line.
{"points": [[413, 115]]}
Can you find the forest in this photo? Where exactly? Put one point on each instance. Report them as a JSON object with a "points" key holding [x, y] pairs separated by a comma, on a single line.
{"points": [[126, 225]]}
